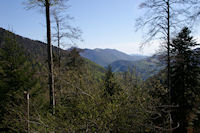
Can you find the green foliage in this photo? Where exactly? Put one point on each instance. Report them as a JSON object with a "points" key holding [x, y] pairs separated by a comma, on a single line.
{"points": [[83, 110], [131, 77], [145, 67], [81, 103], [16, 76], [185, 78], [111, 86], [83, 106]]}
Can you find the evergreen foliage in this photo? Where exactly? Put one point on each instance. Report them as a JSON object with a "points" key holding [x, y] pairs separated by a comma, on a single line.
{"points": [[92, 99], [111, 86], [16, 76], [185, 79]]}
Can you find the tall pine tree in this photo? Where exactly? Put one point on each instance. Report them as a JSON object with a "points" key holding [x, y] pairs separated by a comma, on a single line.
{"points": [[185, 74], [110, 84]]}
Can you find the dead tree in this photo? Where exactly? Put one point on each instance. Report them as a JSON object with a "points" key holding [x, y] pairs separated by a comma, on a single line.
{"points": [[193, 7], [161, 19], [64, 34], [47, 4]]}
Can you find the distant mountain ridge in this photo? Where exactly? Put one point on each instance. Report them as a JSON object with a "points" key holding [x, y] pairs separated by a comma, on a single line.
{"points": [[121, 62], [38, 50], [118, 60], [105, 57], [146, 67]]}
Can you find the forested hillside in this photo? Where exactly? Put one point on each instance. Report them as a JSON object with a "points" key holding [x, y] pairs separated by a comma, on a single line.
{"points": [[88, 97], [145, 67], [46, 89], [83, 103], [104, 57]]}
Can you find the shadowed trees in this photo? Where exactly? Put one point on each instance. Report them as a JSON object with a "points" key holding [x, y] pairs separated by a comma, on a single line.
{"points": [[185, 77], [161, 19], [16, 76], [111, 86]]}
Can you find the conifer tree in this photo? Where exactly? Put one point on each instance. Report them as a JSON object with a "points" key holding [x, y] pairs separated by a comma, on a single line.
{"points": [[111, 86], [16, 76], [185, 74]]}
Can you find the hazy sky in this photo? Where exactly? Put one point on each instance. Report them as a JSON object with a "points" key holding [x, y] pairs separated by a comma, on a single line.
{"points": [[104, 23]]}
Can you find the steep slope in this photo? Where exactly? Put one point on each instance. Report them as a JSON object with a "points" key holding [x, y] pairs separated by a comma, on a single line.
{"points": [[105, 57], [122, 65], [145, 68], [37, 50], [118, 60]]}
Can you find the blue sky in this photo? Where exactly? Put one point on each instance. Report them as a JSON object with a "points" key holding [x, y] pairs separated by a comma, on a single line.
{"points": [[104, 23]]}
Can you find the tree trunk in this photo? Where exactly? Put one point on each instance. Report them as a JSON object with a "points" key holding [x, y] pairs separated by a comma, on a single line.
{"points": [[28, 113], [168, 63], [50, 58], [168, 52], [59, 56]]}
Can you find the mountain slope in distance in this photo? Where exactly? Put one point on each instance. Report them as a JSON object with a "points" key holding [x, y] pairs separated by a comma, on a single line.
{"points": [[37, 50], [105, 57], [118, 60], [145, 68]]}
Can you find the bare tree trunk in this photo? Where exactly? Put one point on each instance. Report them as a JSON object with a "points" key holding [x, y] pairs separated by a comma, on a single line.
{"points": [[28, 116], [50, 59], [168, 63], [168, 52], [27, 110], [59, 56]]}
